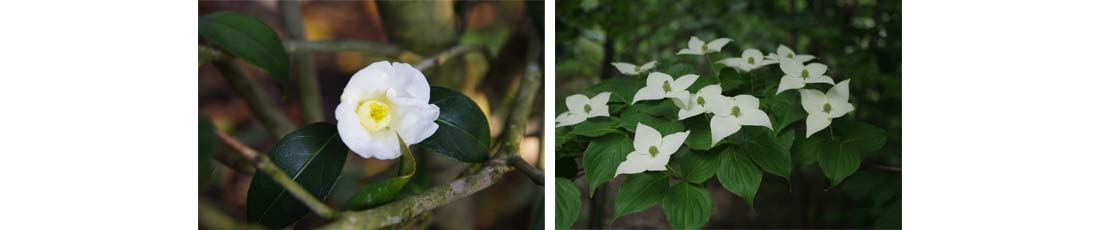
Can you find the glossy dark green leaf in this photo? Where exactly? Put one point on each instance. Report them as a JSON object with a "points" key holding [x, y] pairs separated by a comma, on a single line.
{"points": [[838, 161], [862, 136], [208, 144], [313, 156], [381, 192], [739, 175], [687, 206], [699, 166], [806, 150], [602, 158], [699, 139], [597, 126], [248, 38], [463, 133], [764, 149], [640, 192], [622, 90], [784, 109], [567, 203]]}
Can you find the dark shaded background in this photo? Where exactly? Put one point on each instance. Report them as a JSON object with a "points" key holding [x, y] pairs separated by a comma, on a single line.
{"points": [[857, 39]]}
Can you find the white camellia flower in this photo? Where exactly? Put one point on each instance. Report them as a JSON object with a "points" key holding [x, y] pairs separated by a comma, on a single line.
{"points": [[581, 108], [797, 75], [784, 53], [750, 59], [823, 107], [631, 69], [732, 113], [697, 102], [660, 85], [697, 47], [651, 151], [381, 102]]}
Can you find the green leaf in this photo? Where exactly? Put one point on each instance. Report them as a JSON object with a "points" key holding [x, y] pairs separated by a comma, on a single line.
{"points": [[566, 167], [862, 136], [731, 79], [764, 149], [567, 203], [640, 192], [687, 206], [208, 144], [806, 150], [703, 81], [248, 38], [698, 166], [597, 126], [658, 108], [603, 157], [313, 156], [838, 160], [699, 139], [632, 116], [463, 133], [785, 109], [622, 90], [382, 192], [739, 175]]}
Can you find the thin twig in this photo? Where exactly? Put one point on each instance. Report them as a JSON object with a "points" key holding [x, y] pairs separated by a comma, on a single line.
{"points": [[308, 90], [332, 46], [263, 108], [527, 169], [265, 165], [446, 55]]}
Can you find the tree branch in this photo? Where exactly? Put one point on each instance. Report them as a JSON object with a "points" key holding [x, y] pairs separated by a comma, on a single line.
{"points": [[263, 108], [213, 218], [302, 64], [446, 55], [332, 46], [265, 165], [527, 169], [402, 210]]}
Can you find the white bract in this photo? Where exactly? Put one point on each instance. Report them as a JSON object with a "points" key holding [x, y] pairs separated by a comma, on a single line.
{"points": [[651, 151], [696, 103], [581, 108], [697, 47], [732, 113], [380, 103], [631, 69], [750, 59], [823, 107], [796, 75], [784, 53], [660, 85]]}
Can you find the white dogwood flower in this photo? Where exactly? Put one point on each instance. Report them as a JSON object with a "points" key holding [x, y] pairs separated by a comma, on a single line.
{"points": [[697, 47], [823, 107], [381, 102], [631, 69], [732, 113], [651, 151], [697, 102], [661, 85], [750, 59], [784, 53], [581, 108], [797, 75]]}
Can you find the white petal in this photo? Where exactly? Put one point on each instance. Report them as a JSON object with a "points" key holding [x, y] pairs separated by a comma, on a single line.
{"points": [[767, 62], [690, 51], [576, 102], [789, 82], [649, 93], [658, 163], [812, 100], [695, 43], [569, 118], [684, 82], [679, 97], [599, 111], [715, 89], [658, 79], [672, 142], [839, 92], [746, 101], [820, 79], [717, 44], [718, 104], [816, 69], [816, 121], [722, 127], [755, 117], [753, 53], [418, 123], [839, 109], [373, 79], [791, 68], [648, 65], [732, 62], [691, 112], [636, 162], [600, 99], [783, 51], [645, 137], [803, 58], [625, 68], [413, 82]]}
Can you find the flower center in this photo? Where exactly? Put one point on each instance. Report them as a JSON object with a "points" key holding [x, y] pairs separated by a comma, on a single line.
{"points": [[705, 47], [653, 150], [828, 107], [791, 55], [374, 115], [752, 60], [667, 87], [637, 69], [736, 111], [805, 73], [699, 100], [587, 108]]}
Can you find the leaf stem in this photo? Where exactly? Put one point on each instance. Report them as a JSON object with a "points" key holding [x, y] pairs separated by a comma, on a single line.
{"points": [[265, 165], [710, 65]]}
